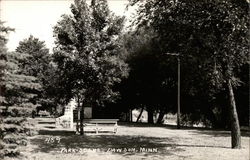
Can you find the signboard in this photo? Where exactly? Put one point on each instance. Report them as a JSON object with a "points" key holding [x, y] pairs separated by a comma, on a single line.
{"points": [[87, 112]]}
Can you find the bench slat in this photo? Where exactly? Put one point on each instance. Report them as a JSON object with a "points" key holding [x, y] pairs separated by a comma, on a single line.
{"points": [[101, 121]]}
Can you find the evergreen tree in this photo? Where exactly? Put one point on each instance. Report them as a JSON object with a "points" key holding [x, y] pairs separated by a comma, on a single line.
{"points": [[17, 94], [37, 62]]}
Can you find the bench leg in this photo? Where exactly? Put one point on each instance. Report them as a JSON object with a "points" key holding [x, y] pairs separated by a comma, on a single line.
{"points": [[115, 128], [96, 130]]}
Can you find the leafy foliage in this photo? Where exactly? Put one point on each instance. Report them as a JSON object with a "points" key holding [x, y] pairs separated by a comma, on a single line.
{"points": [[87, 51], [211, 36], [152, 79]]}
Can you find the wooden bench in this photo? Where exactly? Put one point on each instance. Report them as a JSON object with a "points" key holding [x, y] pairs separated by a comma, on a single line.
{"points": [[101, 122]]}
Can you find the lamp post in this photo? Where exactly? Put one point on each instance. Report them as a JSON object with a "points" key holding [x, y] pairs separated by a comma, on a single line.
{"points": [[178, 89]]}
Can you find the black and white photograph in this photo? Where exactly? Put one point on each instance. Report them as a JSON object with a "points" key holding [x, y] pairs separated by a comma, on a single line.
{"points": [[124, 80]]}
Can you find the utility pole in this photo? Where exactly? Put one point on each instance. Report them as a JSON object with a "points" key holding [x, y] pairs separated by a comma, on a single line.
{"points": [[179, 92], [178, 88]]}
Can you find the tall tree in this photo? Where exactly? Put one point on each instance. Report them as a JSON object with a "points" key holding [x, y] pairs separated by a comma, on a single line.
{"points": [[17, 96], [3, 50], [37, 60], [37, 63], [213, 32], [87, 51]]}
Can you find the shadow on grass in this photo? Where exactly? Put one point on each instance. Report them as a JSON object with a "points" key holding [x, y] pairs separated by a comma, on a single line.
{"points": [[168, 126], [195, 130], [104, 143], [45, 122], [60, 133], [220, 133], [69, 140], [50, 127]]}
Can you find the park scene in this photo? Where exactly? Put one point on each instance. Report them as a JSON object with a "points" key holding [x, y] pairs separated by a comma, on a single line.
{"points": [[124, 79]]}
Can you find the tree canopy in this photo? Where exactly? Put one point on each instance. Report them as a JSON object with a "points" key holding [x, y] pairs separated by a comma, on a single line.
{"points": [[37, 62], [87, 52], [212, 35]]}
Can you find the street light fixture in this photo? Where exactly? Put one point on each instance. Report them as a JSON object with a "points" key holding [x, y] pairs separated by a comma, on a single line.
{"points": [[179, 86]]}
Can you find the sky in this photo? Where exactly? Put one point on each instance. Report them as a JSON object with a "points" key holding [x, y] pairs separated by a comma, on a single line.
{"points": [[37, 18]]}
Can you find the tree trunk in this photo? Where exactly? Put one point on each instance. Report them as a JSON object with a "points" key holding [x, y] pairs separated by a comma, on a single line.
{"points": [[81, 120], [138, 118], [63, 110], [78, 116], [131, 115], [235, 126], [161, 116], [78, 120], [127, 116], [55, 112], [150, 115]]}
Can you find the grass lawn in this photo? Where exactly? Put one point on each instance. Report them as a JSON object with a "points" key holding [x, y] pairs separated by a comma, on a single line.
{"points": [[133, 141]]}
